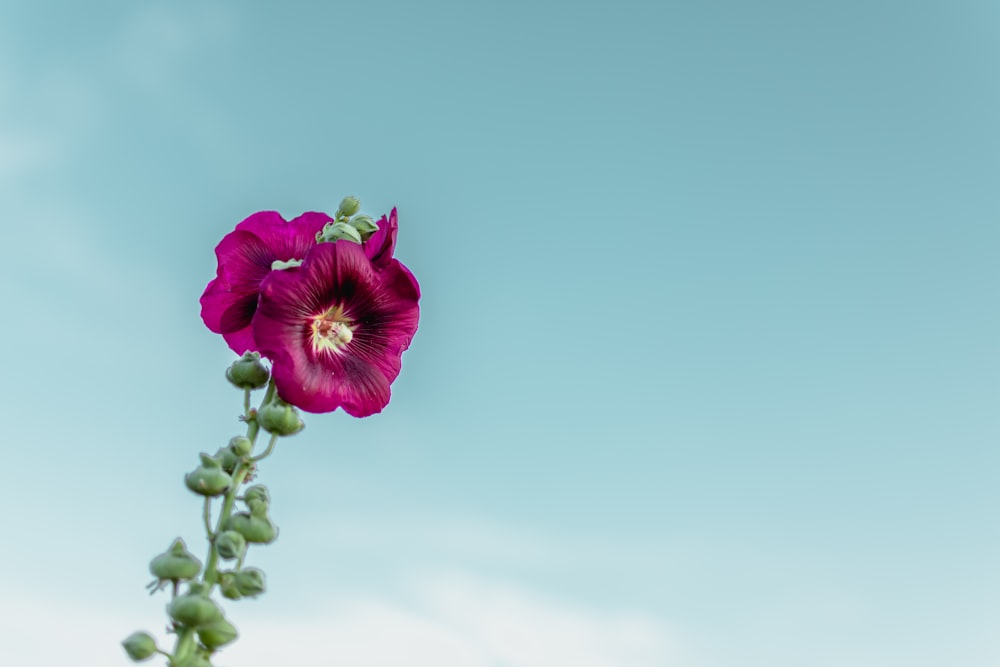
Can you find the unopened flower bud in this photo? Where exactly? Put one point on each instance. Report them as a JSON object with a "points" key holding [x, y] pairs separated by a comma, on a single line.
{"points": [[208, 479], [248, 372], [241, 445], [176, 563], [257, 492], [227, 584], [349, 206], [279, 418], [217, 634], [139, 646], [338, 231], [256, 526], [250, 582], [194, 610], [228, 458], [230, 544]]}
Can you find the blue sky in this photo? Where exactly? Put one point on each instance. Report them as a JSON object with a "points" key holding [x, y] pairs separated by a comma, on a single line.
{"points": [[707, 367]]}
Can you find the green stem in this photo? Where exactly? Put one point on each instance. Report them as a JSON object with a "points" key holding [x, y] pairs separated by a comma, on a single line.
{"points": [[266, 452], [207, 516]]}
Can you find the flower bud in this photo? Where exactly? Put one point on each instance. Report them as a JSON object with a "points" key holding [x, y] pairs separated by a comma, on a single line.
{"points": [[194, 610], [228, 458], [217, 634], [338, 231], [227, 584], [241, 445], [348, 206], [365, 226], [230, 544], [250, 582], [139, 646], [257, 492], [176, 563], [256, 526], [208, 479], [248, 372], [279, 418]]}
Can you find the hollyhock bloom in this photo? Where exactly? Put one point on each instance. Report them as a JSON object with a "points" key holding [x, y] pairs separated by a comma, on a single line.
{"points": [[335, 327], [245, 258]]}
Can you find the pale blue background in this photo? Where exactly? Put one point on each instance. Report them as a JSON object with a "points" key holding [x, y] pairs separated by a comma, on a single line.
{"points": [[709, 339]]}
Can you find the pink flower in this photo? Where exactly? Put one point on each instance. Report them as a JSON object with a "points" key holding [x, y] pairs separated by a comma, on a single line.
{"points": [[245, 258], [335, 327]]}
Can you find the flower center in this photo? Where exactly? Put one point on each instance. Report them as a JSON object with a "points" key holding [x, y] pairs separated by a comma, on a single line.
{"points": [[331, 330]]}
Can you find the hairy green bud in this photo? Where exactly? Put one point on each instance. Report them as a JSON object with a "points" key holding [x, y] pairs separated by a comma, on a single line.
{"points": [[194, 610], [256, 526], [139, 646], [241, 445], [230, 544], [248, 372], [176, 563], [349, 206], [249, 581], [217, 634], [208, 479], [279, 418]]}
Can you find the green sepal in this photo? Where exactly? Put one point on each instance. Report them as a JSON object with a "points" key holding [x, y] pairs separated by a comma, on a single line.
{"points": [[365, 226], [217, 634], [139, 646], [195, 660], [230, 544], [175, 564], [208, 479], [338, 231], [248, 372]]}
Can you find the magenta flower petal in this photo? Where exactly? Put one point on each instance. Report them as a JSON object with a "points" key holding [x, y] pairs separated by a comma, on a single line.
{"points": [[245, 256], [336, 327], [380, 245]]}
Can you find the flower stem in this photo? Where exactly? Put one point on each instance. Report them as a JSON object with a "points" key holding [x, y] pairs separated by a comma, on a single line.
{"points": [[266, 452]]}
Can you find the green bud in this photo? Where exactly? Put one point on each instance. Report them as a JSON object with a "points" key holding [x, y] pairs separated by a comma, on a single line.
{"points": [[217, 634], [257, 492], [139, 646], [280, 418], [228, 458], [338, 231], [208, 479], [250, 582], [365, 226], [241, 445], [230, 544], [348, 206], [176, 563], [256, 526], [227, 584], [194, 610], [248, 372]]}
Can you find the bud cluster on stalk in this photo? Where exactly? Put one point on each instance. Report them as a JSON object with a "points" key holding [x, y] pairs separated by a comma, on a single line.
{"points": [[348, 224], [244, 520]]}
